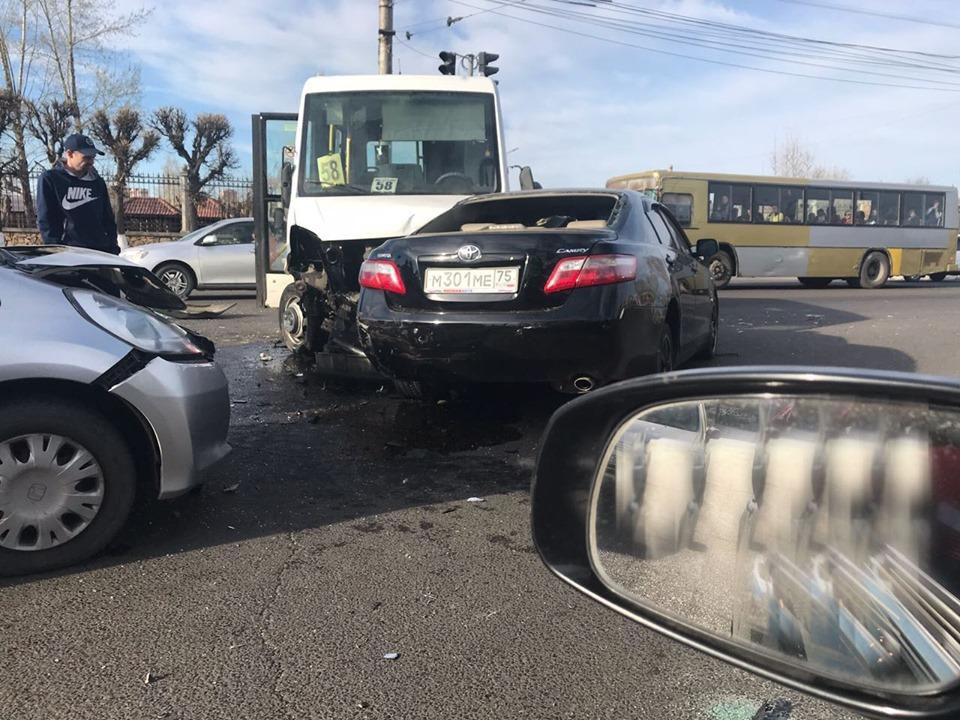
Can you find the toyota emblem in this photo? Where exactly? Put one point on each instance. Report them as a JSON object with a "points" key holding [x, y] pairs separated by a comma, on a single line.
{"points": [[469, 253]]}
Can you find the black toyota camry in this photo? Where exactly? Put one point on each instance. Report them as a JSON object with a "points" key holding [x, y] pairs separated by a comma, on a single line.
{"points": [[572, 288]]}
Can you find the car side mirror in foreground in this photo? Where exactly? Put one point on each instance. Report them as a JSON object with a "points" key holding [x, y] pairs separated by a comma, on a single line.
{"points": [[804, 525], [707, 248]]}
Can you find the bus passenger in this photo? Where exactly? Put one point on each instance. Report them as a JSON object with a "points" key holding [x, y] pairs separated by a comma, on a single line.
{"points": [[934, 216], [721, 211], [861, 217], [912, 218], [775, 215]]}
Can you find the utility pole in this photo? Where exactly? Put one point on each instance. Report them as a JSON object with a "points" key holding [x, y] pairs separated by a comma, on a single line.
{"points": [[386, 37]]}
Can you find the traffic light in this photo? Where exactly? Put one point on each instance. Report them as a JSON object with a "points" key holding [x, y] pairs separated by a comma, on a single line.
{"points": [[483, 61], [449, 66]]}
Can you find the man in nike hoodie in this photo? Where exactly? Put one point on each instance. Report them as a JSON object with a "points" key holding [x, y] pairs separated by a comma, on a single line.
{"points": [[73, 207]]}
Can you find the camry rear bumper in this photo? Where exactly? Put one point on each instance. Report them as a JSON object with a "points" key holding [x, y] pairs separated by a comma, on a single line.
{"points": [[545, 346]]}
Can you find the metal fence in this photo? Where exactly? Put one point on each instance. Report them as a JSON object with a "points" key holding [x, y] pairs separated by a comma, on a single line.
{"points": [[152, 203]]}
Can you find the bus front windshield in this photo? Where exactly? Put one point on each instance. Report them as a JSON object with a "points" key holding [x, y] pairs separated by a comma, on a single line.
{"points": [[399, 143]]}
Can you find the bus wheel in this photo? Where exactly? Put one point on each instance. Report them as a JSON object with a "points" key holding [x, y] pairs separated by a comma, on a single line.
{"points": [[938, 277], [721, 269], [874, 270], [815, 282]]}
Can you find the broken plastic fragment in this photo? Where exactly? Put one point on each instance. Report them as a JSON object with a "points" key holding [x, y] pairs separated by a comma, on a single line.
{"points": [[475, 499], [265, 357], [391, 656]]}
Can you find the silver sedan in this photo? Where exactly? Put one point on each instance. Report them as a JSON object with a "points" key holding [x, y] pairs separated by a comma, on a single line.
{"points": [[218, 256], [101, 399]]}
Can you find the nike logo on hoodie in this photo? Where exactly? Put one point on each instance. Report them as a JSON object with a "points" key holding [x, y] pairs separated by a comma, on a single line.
{"points": [[77, 196]]}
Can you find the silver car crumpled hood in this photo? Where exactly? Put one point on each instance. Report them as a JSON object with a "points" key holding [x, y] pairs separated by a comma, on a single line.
{"points": [[110, 274]]}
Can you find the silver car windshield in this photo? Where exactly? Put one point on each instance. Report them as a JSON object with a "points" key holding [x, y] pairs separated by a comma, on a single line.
{"points": [[399, 143]]}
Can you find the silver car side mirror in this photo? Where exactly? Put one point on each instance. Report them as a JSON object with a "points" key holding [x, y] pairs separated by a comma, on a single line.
{"points": [[805, 526]]}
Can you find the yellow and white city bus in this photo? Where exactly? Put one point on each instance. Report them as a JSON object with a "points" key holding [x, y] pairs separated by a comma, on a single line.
{"points": [[814, 230]]}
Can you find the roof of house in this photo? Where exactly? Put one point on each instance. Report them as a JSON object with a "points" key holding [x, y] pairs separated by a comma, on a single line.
{"points": [[149, 207], [209, 208]]}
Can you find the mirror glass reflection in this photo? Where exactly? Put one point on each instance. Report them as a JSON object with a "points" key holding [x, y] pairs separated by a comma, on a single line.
{"points": [[824, 531]]}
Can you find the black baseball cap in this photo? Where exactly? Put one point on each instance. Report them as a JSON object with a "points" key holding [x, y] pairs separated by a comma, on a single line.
{"points": [[81, 143]]}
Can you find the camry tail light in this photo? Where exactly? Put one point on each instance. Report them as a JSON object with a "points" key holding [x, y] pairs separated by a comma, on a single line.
{"points": [[590, 270], [382, 275]]}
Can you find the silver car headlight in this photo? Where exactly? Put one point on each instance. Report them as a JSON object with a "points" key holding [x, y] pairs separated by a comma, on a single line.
{"points": [[133, 324]]}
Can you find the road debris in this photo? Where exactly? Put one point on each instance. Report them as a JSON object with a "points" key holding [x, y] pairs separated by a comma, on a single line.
{"points": [[232, 488], [265, 357], [475, 500], [391, 656]]}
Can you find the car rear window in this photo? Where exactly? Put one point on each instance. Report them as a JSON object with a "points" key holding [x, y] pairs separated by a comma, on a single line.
{"points": [[519, 213]]}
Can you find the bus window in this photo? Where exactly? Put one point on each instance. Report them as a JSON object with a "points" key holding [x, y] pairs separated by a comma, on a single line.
{"points": [[818, 205], [889, 208], [719, 197], [933, 209], [868, 203], [680, 205], [766, 204], [912, 209], [791, 203], [841, 209], [740, 203]]}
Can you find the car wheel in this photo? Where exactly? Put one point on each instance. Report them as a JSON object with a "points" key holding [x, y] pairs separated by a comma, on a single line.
{"points": [[177, 277], [67, 483], [815, 282], [665, 352], [938, 277], [721, 268], [709, 349], [299, 330], [874, 270]]}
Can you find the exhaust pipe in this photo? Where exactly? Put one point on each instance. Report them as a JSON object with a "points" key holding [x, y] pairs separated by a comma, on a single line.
{"points": [[583, 384]]}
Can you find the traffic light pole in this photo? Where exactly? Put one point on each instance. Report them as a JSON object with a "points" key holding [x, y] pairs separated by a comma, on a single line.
{"points": [[386, 33]]}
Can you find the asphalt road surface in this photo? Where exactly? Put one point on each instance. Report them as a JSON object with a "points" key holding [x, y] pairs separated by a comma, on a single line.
{"points": [[340, 531]]}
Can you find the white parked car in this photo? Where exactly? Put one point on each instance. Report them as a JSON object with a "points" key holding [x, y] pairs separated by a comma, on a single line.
{"points": [[218, 256]]}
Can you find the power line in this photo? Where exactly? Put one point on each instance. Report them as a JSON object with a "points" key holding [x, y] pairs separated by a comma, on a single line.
{"points": [[740, 47], [417, 51], [874, 13], [695, 58]]}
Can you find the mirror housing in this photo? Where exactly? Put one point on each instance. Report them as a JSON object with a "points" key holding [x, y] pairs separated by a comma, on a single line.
{"points": [[286, 183], [210, 239], [707, 248], [526, 179], [565, 508]]}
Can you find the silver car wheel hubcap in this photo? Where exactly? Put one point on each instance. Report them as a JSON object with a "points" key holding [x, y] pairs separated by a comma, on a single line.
{"points": [[51, 489], [175, 280]]}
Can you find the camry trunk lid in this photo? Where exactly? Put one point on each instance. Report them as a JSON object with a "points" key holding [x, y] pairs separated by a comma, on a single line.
{"points": [[492, 270]]}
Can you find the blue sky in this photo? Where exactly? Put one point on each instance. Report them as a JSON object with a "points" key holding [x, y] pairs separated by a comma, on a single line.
{"points": [[579, 109]]}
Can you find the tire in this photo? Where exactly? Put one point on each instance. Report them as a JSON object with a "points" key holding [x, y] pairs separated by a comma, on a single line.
{"points": [[938, 277], [106, 481], [298, 329], [815, 282], [419, 390], [874, 270], [709, 350], [666, 354], [721, 268], [177, 277]]}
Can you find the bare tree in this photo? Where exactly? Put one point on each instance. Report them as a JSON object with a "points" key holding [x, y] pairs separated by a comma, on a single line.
{"points": [[207, 154], [918, 180], [50, 121], [16, 59], [120, 135], [792, 159], [75, 32]]}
